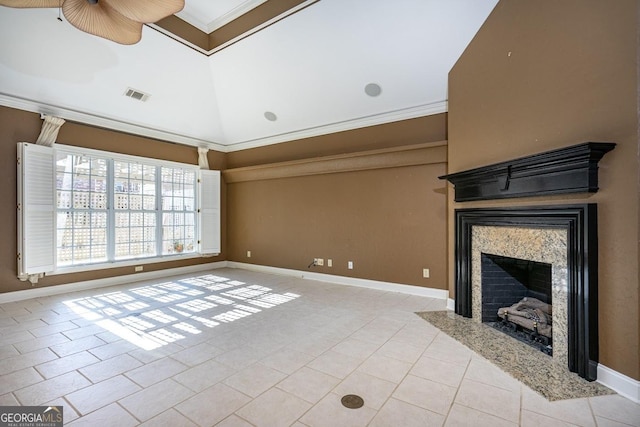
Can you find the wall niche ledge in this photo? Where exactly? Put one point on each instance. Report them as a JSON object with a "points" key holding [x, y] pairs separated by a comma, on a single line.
{"points": [[394, 157], [572, 169]]}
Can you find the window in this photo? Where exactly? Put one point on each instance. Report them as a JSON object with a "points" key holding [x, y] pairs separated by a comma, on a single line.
{"points": [[178, 214], [102, 200], [111, 208], [81, 206], [135, 214]]}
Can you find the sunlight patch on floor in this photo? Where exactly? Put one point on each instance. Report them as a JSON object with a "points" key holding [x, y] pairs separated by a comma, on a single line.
{"points": [[152, 316]]}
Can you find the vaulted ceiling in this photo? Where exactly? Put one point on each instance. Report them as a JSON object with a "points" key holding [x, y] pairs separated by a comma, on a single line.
{"points": [[323, 66]]}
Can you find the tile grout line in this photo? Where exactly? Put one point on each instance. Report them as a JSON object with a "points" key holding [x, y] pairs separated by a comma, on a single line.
{"points": [[521, 400], [341, 380], [455, 395], [316, 297], [400, 382], [117, 402]]}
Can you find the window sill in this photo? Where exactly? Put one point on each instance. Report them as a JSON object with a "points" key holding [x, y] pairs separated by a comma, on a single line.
{"points": [[126, 263]]}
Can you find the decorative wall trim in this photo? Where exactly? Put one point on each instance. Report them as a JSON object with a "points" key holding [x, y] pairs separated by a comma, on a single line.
{"points": [[357, 123], [104, 122], [411, 155], [451, 304], [205, 40], [146, 131], [580, 221], [343, 280], [209, 27], [108, 281], [622, 384], [567, 170]]}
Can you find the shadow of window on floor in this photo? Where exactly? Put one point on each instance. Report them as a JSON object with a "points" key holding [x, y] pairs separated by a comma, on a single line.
{"points": [[152, 316]]}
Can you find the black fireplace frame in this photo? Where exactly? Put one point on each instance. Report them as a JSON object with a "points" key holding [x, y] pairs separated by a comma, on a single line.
{"points": [[580, 222]]}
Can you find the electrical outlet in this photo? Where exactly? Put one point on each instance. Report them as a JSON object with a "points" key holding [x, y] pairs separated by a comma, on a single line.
{"points": [[350, 265], [248, 254], [320, 261], [425, 273], [139, 268], [329, 262]]}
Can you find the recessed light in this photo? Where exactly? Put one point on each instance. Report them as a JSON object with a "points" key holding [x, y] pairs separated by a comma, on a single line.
{"points": [[373, 89], [270, 116]]}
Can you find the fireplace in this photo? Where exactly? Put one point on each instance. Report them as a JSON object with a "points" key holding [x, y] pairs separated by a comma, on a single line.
{"points": [[563, 236], [557, 242], [516, 299], [506, 281]]}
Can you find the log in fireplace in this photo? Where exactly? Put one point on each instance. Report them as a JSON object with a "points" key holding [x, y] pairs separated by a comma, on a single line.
{"points": [[517, 299]]}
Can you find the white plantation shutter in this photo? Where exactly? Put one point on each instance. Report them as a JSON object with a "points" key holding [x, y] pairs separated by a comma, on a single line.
{"points": [[36, 211], [209, 212]]}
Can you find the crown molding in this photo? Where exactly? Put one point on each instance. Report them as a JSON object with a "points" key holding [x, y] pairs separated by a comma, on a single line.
{"points": [[360, 122], [237, 38], [222, 20], [142, 130], [105, 122]]}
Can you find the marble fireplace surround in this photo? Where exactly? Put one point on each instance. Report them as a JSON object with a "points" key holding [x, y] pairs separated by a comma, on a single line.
{"points": [[564, 236], [547, 245]]}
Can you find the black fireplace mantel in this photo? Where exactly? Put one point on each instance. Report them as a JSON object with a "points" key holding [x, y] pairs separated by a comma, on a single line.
{"points": [[567, 170], [580, 222]]}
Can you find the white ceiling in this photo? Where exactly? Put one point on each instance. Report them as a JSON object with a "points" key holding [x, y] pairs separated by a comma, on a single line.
{"points": [[309, 69]]}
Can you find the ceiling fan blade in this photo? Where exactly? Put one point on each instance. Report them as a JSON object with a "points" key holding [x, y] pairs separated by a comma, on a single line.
{"points": [[146, 11], [30, 3], [102, 21]]}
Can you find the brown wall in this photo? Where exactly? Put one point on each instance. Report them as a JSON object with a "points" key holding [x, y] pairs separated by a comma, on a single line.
{"points": [[549, 74], [390, 221], [20, 126], [402, 133]]}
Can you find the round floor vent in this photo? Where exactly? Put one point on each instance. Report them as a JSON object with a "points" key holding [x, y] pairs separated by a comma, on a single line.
{"points": [[352, 401]]}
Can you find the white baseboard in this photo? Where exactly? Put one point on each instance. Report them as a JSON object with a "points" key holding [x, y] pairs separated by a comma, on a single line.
{"points": [[451, 304], [620, 383], [150, 275], [107, 281], [349, 281], [264, 269]]}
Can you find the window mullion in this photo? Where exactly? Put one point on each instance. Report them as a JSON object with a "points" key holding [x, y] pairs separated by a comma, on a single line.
{"points": [[111, 229], [196, 212], [159, 210]]}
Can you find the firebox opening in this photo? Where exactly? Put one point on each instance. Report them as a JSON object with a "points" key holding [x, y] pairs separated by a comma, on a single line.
{"points": [[516, 299]]}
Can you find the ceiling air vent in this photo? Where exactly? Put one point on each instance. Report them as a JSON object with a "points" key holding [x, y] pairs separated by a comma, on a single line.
{"points": [[136, 94]]}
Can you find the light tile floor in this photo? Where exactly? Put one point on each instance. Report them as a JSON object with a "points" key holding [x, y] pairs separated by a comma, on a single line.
{"points": [[238, 348]]}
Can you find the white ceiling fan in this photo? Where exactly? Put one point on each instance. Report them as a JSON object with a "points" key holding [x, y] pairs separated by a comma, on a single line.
{"points": [[117, 20]]}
